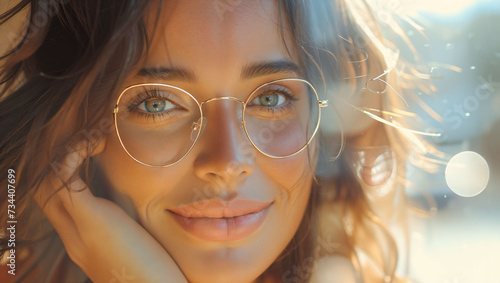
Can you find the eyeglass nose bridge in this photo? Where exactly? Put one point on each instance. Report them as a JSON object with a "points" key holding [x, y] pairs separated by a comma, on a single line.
{"points": [[222, 98], [201, 124]]}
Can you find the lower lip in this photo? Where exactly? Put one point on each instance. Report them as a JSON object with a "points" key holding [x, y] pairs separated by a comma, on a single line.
{"points": [[222, 229], [374, 179]]}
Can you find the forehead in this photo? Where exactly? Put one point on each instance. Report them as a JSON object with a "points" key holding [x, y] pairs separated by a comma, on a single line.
{"points": [[215, 38]]}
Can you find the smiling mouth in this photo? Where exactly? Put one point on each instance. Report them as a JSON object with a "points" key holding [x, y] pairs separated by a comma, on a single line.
{"points": [[218, 222]]}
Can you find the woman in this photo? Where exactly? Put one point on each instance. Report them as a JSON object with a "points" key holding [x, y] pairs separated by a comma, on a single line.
{"points": [[197, 141]]}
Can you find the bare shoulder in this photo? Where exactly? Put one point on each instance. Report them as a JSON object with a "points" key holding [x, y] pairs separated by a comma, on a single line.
{"points": [[334, 268]]}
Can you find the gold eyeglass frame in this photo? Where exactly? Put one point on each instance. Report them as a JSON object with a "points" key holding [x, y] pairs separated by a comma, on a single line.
{"points": [[321, 104]]}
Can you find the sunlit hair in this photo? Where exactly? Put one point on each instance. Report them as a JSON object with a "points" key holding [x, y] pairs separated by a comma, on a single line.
{"points": [[343, 50], [55, 86]]}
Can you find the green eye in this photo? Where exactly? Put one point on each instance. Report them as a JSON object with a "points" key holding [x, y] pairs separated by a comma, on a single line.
{"points": [[269, 100], [156, 105]]}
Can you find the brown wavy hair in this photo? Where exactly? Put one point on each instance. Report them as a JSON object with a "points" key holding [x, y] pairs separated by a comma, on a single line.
{"points": [[72, 54]]}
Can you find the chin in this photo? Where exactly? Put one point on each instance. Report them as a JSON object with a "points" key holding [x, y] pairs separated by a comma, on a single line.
{"points": [[228, 270], [223, 277]]}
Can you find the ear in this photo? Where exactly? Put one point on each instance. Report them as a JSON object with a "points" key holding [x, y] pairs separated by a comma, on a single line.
{"points": [[99, 148]]}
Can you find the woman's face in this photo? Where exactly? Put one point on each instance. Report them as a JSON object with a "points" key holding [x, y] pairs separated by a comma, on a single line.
{"points": [[213, 42]]}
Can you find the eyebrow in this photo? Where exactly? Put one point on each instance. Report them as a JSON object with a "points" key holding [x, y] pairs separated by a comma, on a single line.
{"points": [[167, 74], [252, 70], [264, 68]]}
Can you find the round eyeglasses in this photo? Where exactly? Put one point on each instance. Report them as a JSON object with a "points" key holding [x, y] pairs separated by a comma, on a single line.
{"points": [[158, 124]]}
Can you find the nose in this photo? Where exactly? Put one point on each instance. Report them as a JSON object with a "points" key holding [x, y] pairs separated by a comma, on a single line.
{"points": [[225, 156]]}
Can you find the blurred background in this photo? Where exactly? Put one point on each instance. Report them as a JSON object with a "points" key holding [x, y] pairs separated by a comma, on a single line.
{"points": [[455, 239]]}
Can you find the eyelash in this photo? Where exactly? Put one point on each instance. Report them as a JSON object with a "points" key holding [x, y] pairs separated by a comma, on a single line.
{"points": [[282, 91], [143, 96], [148, 94]]}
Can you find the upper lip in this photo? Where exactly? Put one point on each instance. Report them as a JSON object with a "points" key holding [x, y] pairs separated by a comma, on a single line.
{"points": [[218, 209]]}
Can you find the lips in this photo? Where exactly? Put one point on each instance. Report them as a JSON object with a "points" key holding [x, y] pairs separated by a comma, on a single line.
{"points": [[375, 175], [214, 220], [372, 165]]}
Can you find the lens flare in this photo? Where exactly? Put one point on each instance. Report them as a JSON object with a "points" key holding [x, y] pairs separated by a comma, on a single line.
{"points": [[467, 174]]}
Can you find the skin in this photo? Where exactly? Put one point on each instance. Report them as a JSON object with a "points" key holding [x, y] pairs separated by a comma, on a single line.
{"points": [[222, 165]]}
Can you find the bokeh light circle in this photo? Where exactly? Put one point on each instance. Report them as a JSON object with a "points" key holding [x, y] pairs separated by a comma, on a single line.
{"points": [[467, 174]]}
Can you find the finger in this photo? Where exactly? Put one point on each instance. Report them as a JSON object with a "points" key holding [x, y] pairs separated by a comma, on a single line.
{"points": [[61, 220], [76, 196], [57, 178], [52, 196], [53, 208]]}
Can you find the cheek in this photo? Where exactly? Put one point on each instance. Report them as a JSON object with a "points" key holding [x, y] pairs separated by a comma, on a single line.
{"points": [[287, 173], [294, 177], [136, 181]]}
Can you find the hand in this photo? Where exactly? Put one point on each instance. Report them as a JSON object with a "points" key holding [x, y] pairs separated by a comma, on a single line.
{"points": [[98, 235]]}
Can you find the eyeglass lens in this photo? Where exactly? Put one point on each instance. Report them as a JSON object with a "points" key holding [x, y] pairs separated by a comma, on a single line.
{"points": [[159, 124]]}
